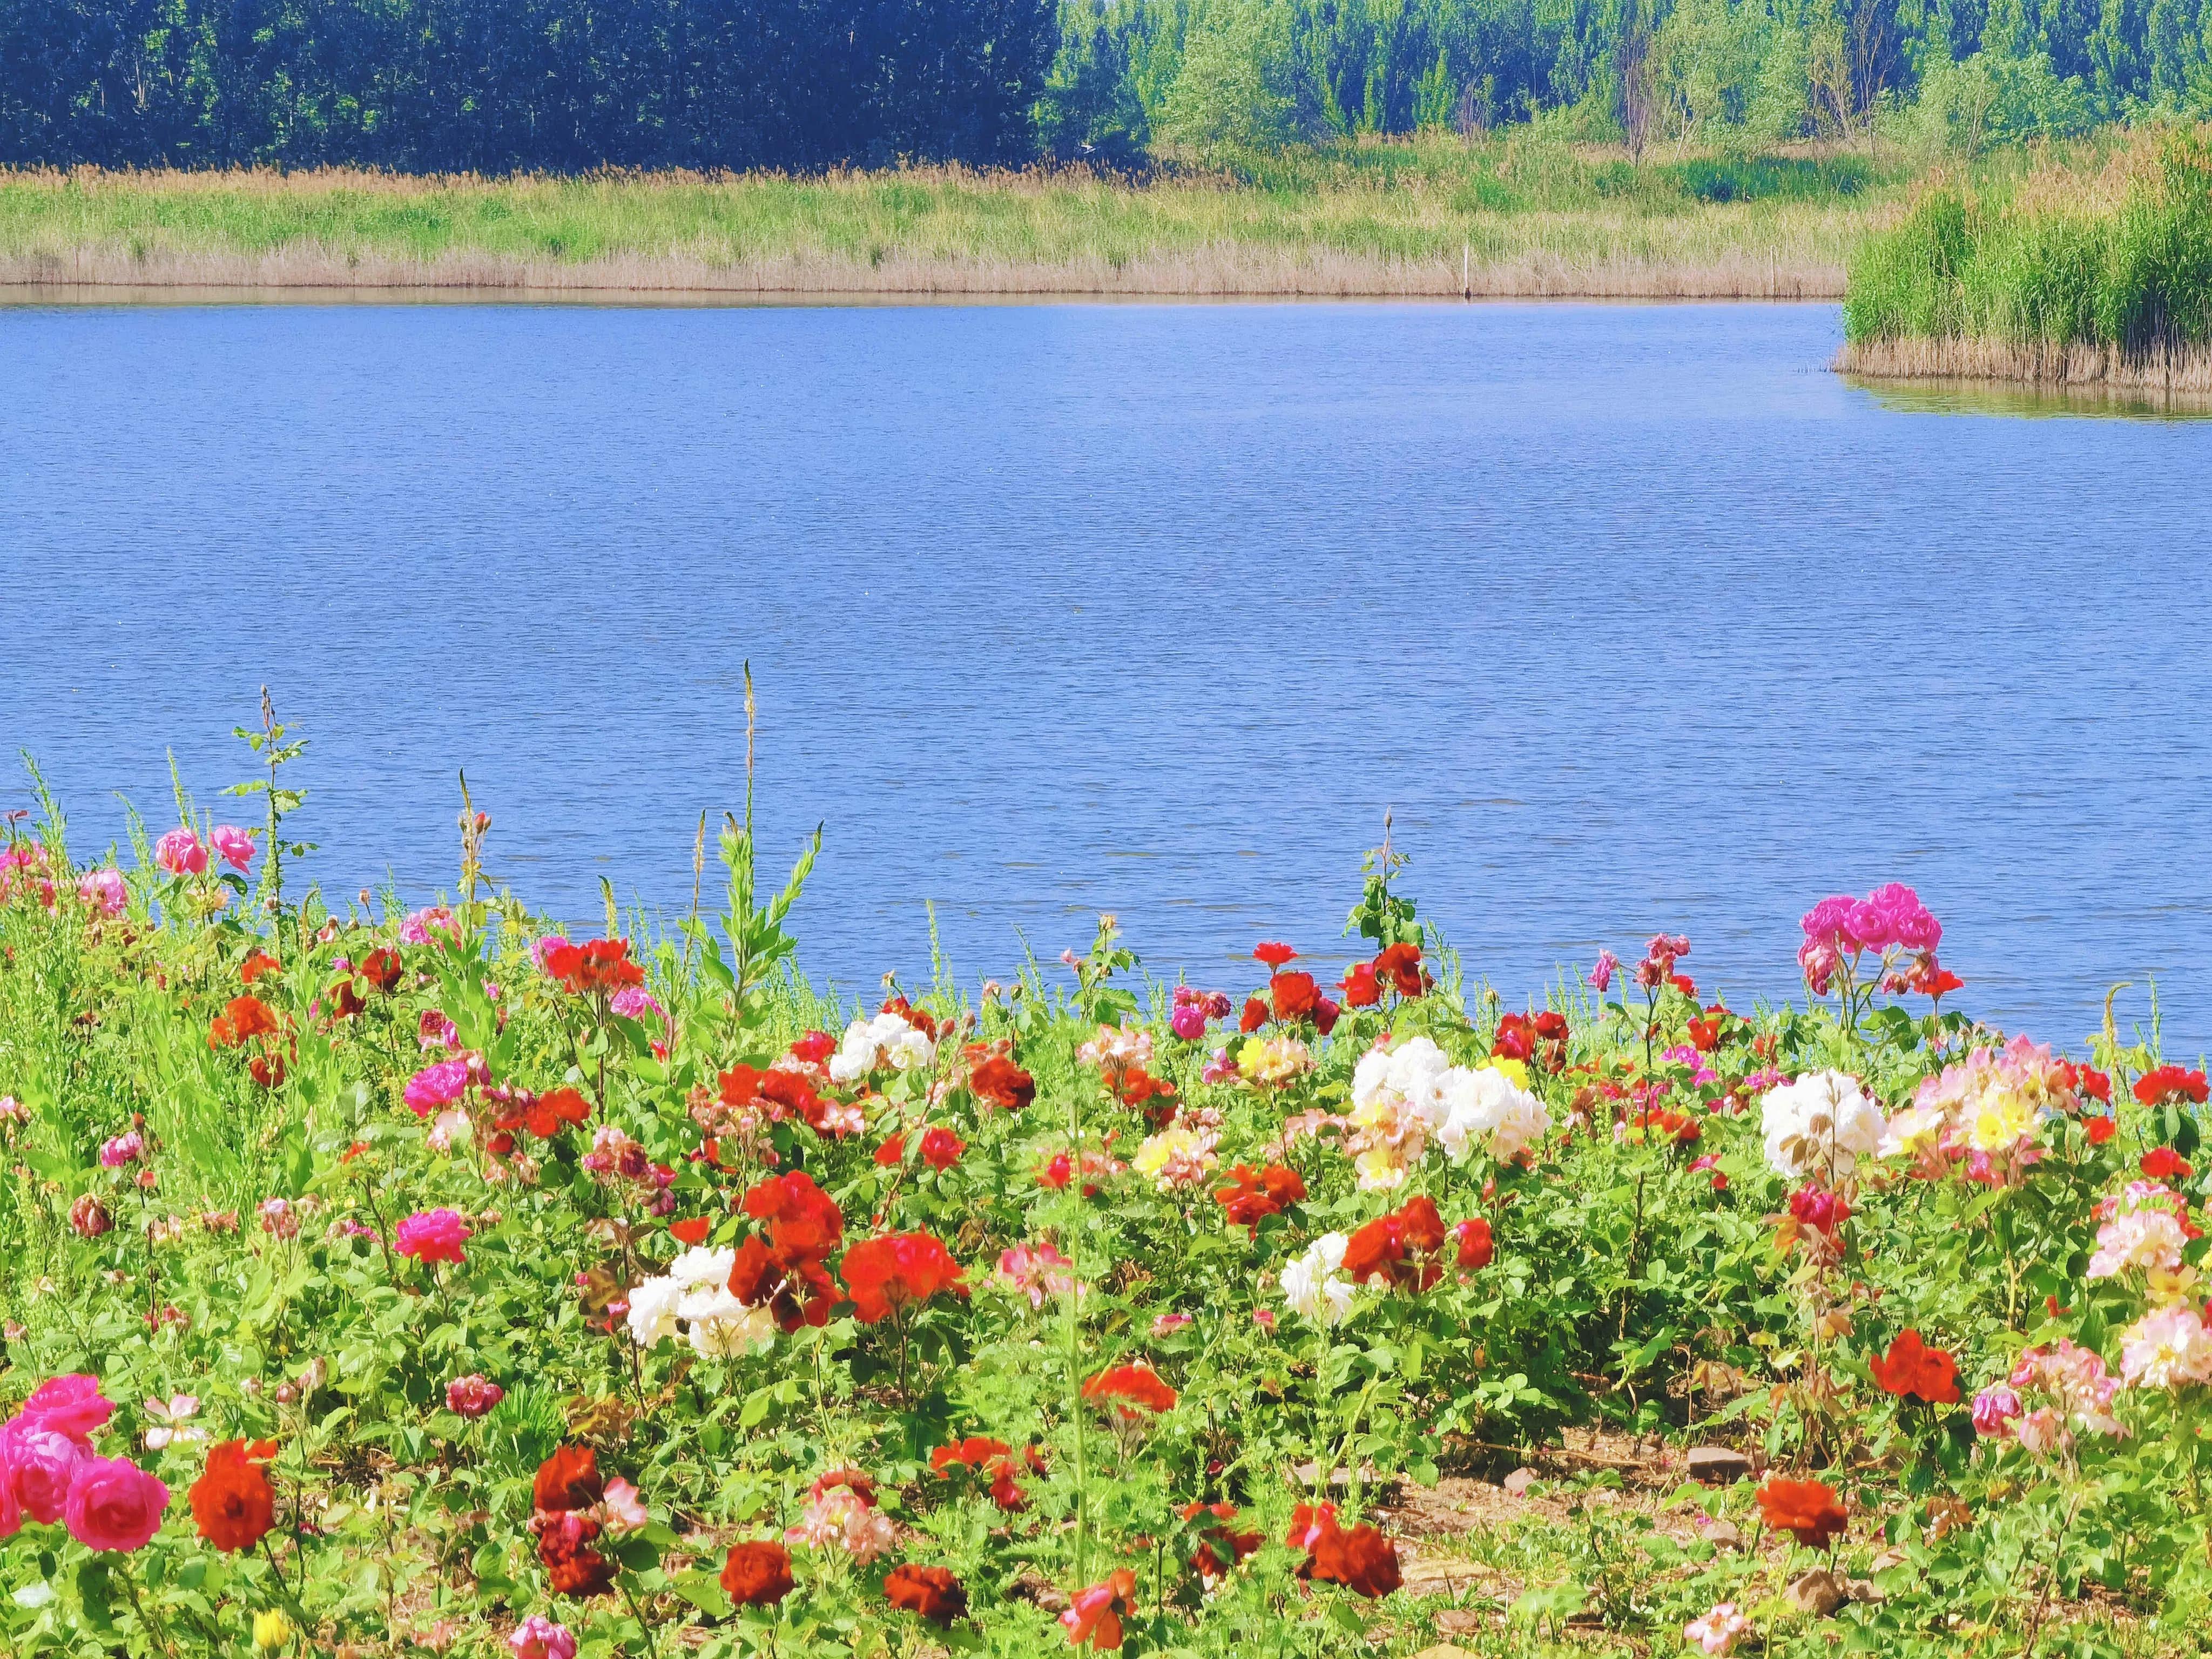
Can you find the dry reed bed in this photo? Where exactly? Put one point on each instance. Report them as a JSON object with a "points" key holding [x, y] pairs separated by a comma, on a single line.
{"points": [[1217, 271], [2185, 370]]}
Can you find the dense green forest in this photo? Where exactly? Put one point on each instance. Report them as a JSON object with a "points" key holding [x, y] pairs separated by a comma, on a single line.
{"points": [[569, 85]]}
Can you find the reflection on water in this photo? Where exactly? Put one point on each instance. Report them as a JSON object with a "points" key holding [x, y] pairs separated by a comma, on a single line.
{"points": [[1635, 617], [1942, 397]]}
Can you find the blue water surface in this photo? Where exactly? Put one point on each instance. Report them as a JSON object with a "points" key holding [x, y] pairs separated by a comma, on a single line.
{"points": [[1635, 617]]}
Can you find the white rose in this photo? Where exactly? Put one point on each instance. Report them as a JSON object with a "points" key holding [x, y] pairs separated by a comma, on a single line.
{"points": [[1312, 1286], [653, 1311]]}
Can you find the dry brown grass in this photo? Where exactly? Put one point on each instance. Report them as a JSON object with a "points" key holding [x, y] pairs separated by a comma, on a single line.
{"points": [[2184, 372]]}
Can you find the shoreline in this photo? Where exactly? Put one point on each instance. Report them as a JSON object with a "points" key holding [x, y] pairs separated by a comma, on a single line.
{"points": [[2181, 377], [97, 276]]}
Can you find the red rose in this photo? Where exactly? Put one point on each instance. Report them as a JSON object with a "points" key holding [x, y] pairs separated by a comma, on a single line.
{"points": [[2153, 1087], [895, 1271], [2164, 1163], [1131, 1388], [757, 1574], [1294, 994], [569, 1479], [381, 967], [996, 1080], [1253, 1017], [1806, 1510], [232, 1501], [1273, 954], [1361, 988], [1220, 1547], [1252, 1196], [1912, 1369], [1476, 1248], [804, 1222], [2101, 1129], [932, 1592], [941, 1149], [1399, 1247], [1402, 965]]}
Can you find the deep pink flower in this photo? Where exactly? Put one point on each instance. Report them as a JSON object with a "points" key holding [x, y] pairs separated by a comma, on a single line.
{"points": [[432, 1235], [1601, 971], [1995, 1409], [125, 1148], [471, 1396], [113, 1504], [540, 1637], [234, 846], [71, 1404], [39, 1460], [179, 852], [436, 1085]]}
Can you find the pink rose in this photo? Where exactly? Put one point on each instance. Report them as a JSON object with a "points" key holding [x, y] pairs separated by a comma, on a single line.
{"points": [[71, 1405], [1187, 1021], [540, 1637], [432, 1235], [436, 1085], [180, 854], [113, 1504], [104, 890], [472, 1396], [234, 846], [40, 1461]]}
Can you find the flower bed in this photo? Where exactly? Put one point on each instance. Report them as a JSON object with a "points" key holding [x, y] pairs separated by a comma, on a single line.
{"points": [[439, 1282]]}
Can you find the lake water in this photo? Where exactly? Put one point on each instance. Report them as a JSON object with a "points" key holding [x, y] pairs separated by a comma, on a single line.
{"points": [[1635, 617]]}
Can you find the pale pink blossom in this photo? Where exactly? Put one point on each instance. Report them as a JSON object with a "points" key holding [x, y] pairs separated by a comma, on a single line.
{"points": [[1035, 1271], [103, 889], [840, 1518], [626, 1511], [1719, 1630]]}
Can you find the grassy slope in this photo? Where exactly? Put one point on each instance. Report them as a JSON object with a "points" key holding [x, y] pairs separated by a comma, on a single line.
{"points": [[1532, 216]]}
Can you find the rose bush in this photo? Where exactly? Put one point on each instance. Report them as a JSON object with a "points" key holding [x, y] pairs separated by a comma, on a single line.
{"points": [[624, 1295]]}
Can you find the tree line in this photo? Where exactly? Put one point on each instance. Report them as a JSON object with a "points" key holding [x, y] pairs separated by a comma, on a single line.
{"points": [[565, 85]]}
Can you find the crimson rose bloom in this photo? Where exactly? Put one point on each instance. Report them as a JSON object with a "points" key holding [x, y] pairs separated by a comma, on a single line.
{"points": [[1399, 1249], [1806, 1510], [1294, 994], [1253, 1195], [381, 967], [798, 1289], [1273, 954], [1476, 1248], [1402, 965], [804, 1222], [569, 1479], [232, 1501], [2168, 1083], [1219, 1547], [1125, 1387], [757, 1574], [1362, 1559], [1911, 1369], [2164, 1163], [996, 1080], [941, 1148], [1253, 1017], [932, 1592], [1361, 988], [601, 966], [895, 1271]]}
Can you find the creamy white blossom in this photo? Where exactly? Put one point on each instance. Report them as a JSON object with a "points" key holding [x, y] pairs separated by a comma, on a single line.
{"points": [[1822, 1124], [1486, 1110], [1312, 1284]]}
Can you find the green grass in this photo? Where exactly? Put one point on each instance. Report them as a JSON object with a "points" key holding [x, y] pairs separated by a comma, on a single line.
{"points": [[1366, 209], [2118, 256]]}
